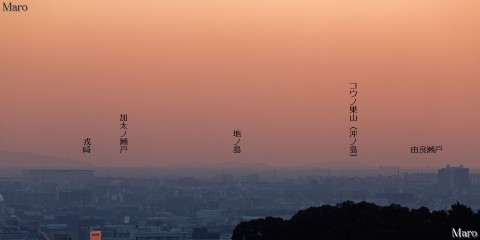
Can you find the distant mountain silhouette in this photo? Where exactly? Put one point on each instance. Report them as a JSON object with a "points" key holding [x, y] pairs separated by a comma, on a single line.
{"points": [[337, 165], [258, 165], [30, 160], [227, 164]]}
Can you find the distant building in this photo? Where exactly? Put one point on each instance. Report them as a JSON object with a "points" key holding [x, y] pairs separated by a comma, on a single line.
{"points": [[61, 236], [209, 215], [58, 176], [159, 235], [204, 234], [78, 197], [454, 179], [13, 235], [2, 205], [95, 235]]}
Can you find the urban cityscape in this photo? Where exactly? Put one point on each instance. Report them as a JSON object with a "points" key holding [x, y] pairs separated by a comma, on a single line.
{"points": [[77, 204]]}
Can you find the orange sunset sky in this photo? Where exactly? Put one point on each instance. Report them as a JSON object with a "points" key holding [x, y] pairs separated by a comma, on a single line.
{"points": [[189, 72]]}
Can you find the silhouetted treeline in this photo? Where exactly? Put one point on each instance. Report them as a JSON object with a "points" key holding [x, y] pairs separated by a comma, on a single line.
{"points": [[363, 220]]}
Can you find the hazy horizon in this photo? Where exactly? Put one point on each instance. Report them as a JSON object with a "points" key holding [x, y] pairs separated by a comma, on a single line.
{"points": [[27, 160]]}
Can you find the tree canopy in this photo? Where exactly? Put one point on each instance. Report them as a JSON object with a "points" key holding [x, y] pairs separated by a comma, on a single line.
{"points": [[349, 220]]}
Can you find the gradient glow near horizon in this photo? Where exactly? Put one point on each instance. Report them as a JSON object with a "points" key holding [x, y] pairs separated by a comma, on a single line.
{"points": [[189, 72]]}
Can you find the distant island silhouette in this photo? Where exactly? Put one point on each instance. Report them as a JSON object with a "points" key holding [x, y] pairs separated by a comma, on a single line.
{"points": [[29, 160]]}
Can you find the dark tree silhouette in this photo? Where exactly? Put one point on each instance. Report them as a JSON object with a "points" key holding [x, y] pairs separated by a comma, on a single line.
{"points": [[349, 220]]}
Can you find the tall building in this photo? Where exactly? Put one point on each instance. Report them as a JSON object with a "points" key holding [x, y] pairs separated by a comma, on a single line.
{"points": [[454, 179]]}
